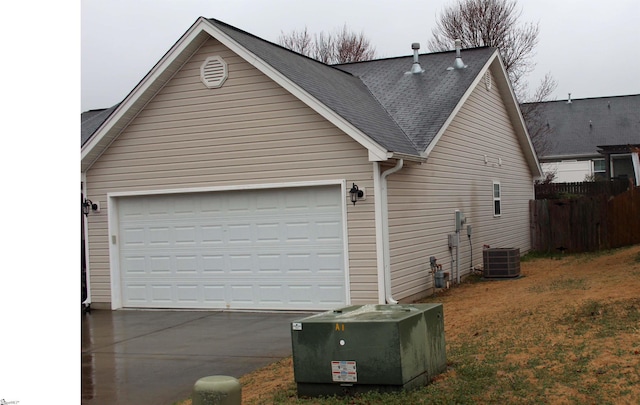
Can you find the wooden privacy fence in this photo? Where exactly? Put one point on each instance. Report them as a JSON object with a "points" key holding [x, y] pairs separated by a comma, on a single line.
{"points": [[586, 224], [585, 188]]}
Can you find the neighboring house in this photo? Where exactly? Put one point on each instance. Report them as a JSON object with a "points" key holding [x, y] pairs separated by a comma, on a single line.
{"points": [[224, 178], [592, 138]]}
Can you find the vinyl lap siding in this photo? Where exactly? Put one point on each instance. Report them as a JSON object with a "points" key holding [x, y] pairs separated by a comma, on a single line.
{"points": [[250, 131], [423, 198]]}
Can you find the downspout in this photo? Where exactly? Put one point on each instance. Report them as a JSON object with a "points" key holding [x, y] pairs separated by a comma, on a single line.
{"points": [[85, 233], [385, 230]]}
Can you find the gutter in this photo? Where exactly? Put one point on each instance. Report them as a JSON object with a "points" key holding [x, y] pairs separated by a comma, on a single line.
{"points": [[554, 158], [382, 230]]}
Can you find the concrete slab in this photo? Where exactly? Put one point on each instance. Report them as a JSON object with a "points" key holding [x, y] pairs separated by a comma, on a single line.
{"points": [[155, 357]]}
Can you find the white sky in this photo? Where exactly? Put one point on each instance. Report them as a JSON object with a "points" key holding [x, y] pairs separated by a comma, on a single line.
{"points": [[589, 46]]}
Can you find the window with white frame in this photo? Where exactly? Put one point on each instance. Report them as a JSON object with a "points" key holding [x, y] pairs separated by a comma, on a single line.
{"points": [[497, 199], [599, 168]]}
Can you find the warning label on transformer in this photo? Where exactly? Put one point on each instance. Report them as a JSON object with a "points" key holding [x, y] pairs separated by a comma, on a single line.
{"points": [[344, 371]]}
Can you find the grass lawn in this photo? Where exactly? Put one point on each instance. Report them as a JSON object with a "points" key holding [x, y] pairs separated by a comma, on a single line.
{"points": [[567, 332]]}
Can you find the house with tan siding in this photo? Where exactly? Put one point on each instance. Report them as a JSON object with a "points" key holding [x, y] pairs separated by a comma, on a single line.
{"points": [[240, 175]]}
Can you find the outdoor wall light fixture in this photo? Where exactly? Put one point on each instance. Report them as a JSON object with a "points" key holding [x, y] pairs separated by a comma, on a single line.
{"points": [[88, 205], [355, 193]]}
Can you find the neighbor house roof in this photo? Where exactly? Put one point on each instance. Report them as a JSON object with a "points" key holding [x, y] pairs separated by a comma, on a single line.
{"points": [[578, 128], [91, 120], [389, 112]]}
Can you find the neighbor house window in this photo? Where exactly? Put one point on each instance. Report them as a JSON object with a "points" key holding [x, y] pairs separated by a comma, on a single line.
{"points": [[497, 210], [599, 168]]}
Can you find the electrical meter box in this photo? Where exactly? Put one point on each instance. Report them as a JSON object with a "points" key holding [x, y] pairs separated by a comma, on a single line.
{"points": [[368, 347]]}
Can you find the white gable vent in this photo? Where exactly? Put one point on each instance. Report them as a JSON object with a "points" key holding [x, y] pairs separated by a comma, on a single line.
{"points": [[213, 72]]}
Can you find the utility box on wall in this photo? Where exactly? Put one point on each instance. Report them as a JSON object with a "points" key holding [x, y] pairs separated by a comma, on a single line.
{"points": [[501, 262], [365, 348]]}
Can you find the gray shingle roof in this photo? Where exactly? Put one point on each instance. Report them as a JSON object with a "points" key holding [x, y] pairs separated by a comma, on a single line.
{"points": [[400, 112], [420, 103], [91, 120], [614, 121], [340, 91]]}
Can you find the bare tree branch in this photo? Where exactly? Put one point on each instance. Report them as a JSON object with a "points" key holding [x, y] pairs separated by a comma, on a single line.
{"points": [[533, 113], [297, 41], [341, 46], [496, 23], [490, 23]]}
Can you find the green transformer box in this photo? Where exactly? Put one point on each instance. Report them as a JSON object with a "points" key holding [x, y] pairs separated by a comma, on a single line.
{"points": [[368, 347]]}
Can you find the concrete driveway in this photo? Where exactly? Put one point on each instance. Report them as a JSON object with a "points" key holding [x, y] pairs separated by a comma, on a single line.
{"points": [[155, 357]]}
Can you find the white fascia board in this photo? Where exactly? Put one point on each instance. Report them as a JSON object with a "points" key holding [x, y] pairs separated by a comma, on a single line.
{"points": [[145, 84], [376, 151]]}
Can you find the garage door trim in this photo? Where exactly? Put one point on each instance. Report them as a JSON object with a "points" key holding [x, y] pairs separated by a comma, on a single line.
{"points": [[113, 227]]}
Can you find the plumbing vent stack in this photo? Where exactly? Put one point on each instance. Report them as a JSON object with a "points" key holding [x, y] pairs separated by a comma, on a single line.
{"points": [[416, 68], [459, 64], [569, 100]]}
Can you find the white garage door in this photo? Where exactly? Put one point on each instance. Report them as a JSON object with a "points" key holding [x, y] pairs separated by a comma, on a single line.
{"points": [[258, 249]]}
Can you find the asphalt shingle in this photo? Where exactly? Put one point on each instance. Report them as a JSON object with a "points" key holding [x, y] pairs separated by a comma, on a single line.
{"points": [[579, 127]]}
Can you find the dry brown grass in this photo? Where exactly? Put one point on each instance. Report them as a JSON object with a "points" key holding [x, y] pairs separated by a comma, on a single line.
{"points": [[566, 332]]}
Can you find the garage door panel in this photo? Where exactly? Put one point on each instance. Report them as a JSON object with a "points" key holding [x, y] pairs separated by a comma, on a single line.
{"points": [[159, 236], [186, 235], [251, 249], [161, 293], [187, 264], [214, 295], [212, 234], [213, 264], [188, 293]]}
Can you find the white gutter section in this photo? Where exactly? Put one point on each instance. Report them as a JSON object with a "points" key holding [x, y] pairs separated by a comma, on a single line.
{"points": [[382, 231]]}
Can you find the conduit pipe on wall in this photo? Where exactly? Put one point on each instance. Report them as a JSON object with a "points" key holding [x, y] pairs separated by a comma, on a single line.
{"points": [[385, 230]]}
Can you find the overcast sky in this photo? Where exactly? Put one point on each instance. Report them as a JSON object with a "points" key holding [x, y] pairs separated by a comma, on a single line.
{"points": [[589, 46]]}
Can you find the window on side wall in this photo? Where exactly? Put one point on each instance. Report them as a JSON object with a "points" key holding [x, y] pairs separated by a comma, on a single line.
{"points": [[497, 199], [599, 168]]}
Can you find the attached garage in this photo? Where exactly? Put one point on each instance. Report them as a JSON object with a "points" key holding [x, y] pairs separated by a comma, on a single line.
{"points": [[281, 248]]}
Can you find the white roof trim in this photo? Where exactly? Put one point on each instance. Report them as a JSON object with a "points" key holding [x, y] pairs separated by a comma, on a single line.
{"points": [[520, 126], [153, 82]]}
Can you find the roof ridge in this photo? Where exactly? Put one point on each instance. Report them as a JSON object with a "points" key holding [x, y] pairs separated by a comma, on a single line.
{"points": [[581, 99]]}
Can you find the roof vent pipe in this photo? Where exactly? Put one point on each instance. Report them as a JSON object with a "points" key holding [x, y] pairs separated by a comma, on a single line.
{"points": [[569, 100], [416, 68], [458, 64]]}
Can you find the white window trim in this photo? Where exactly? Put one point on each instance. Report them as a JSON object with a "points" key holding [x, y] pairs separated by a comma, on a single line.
{"points": [[593, 165], [499, 198]]}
